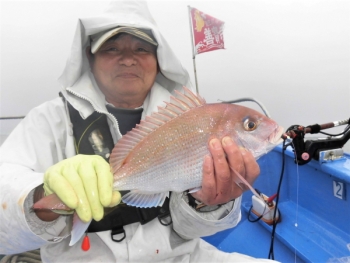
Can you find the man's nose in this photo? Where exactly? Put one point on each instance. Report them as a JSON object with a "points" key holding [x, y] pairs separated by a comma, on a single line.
{"points": [[127, 58]]}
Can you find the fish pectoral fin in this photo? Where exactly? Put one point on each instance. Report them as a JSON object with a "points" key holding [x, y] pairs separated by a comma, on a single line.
{"points": [[78, 229], [193, 190], [144, 199], [240, 180]]}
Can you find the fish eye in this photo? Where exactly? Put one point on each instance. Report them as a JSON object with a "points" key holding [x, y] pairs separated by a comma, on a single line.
{"points": [[250, 125]]}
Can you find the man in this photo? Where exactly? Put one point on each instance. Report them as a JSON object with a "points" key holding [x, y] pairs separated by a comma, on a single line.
{"points": [[120, 70]]}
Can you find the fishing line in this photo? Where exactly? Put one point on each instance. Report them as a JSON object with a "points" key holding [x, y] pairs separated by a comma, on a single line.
{"points": [[262, 107], [274, 224], [342, 133], [297, 206]]}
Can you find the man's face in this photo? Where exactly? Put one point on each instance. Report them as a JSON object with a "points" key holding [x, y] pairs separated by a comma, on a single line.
{"points": [[125, 69]]}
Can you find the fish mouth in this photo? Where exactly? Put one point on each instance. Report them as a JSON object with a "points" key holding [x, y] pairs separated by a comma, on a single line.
{"points": [[276, 137]]}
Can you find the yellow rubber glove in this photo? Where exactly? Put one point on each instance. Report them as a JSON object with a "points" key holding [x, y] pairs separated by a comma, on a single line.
{"points": [[83, 183]]}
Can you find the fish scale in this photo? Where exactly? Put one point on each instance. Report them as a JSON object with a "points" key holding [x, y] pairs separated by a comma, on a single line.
{"points": [[186, 147], [166, 152]]}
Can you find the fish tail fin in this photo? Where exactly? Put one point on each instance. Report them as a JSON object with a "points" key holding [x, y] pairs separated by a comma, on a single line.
{"points": [[78, 230]]}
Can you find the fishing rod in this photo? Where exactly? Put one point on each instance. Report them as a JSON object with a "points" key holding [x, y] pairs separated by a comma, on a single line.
{"points": [[12, 118], [306, 150]]}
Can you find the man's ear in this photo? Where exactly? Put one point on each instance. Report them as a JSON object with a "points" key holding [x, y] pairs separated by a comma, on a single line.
{"points": [[89, 55]]}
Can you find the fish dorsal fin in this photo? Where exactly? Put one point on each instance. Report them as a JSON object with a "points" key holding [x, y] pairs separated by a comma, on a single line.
{"points": [[179, 103]]}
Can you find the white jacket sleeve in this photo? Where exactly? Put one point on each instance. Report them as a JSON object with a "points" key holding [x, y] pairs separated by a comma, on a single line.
{"points": [[189, 223], [37, 143]]}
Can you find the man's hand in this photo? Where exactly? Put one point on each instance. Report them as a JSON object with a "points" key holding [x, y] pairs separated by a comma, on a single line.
{"points": [[219, 186], [83, 183]]}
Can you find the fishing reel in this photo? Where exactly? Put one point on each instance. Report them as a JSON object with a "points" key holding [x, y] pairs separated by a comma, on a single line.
{"points": [[306, 150]]}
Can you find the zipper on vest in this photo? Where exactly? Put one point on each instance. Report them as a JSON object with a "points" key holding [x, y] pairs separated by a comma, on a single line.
{"points": [[93, 106], [85, 246]]}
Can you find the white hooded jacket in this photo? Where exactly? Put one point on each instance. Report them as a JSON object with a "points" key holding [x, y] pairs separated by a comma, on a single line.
{"points": [[45, 137]]}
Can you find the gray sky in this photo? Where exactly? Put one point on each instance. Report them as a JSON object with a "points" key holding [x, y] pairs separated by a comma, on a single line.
{"points": [[291, 55]]}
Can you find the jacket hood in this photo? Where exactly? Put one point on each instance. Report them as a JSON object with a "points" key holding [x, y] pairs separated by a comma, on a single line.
{"points": [[123, 13]]}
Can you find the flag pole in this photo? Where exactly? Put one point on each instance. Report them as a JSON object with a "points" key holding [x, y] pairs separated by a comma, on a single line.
{"points": [[193, 55]]}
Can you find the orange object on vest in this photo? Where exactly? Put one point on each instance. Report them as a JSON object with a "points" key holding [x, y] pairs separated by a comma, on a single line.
{"points": [[86, 243]]}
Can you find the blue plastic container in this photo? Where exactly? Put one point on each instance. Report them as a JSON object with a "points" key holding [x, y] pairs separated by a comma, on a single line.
{"points": [[315, 212]]}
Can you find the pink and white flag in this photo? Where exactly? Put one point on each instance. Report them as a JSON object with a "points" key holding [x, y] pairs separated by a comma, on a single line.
{"points": [[207, 32]]}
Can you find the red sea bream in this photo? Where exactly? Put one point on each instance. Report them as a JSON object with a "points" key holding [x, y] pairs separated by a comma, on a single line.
{"points": [[165, 152]]}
